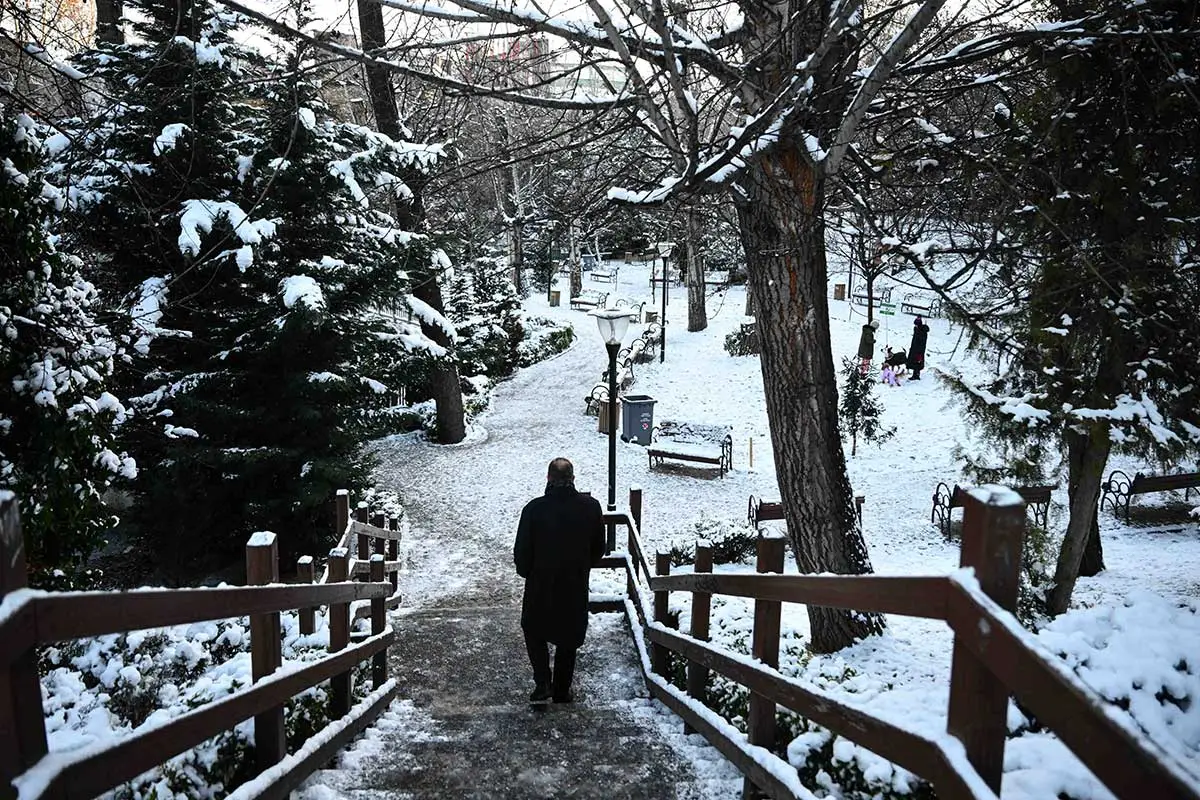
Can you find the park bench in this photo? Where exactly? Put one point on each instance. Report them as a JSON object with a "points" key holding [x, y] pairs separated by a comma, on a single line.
{"points": [[920, 304], [689, 441], [637, 308], [1119, 489], [862, 298], [588, 299], [1037, 499], [760, 511], [605, 274]]}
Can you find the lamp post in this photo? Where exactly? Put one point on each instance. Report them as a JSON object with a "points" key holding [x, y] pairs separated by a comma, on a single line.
{"points": [[613, 323]]}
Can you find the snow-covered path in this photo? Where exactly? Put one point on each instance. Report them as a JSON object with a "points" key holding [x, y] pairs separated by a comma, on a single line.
{"points": [[463, 727]]}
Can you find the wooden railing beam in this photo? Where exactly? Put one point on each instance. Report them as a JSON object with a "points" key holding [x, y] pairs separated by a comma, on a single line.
{"points": [[339, 636], [697, 675], [378, 622], [306, 573], [760, 720]]}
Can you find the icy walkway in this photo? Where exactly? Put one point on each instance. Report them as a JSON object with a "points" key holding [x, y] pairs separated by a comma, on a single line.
{"points": [[463, 727]]}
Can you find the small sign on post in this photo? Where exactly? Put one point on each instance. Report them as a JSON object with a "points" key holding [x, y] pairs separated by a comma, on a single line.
{"points": [[887, 309]]}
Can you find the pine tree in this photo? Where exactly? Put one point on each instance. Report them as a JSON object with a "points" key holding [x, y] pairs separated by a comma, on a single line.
{"points": [[486, 311], [1098, 276], [859, 408], [57, 420], [233, 220]]}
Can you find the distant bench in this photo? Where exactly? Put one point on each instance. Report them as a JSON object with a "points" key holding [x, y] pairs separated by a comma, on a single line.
{"points": [[921, 304], [1119, 489], [1037, 498], [605, 274], [759, 511], [589, 299], [689, 441], [864, 299]]}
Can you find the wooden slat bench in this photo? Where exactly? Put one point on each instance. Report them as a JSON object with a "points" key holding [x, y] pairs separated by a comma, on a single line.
{"points": [[945, 499], [589, 299], [687, 441], [759, 511], [605, 274], [921, 304], [863, 299], [1119, 489]]}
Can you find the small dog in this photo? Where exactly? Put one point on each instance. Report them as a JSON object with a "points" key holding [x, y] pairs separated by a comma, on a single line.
{"points": [[897, 361]]}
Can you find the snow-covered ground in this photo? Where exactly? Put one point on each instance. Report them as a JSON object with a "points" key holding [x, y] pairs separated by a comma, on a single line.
{"points": [[1133, 634]]}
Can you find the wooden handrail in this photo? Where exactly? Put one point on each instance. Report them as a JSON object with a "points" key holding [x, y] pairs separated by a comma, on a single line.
{"points": [[992, 657], [911, 597], [1127, 763], [366, 529], [89, 772], [74, 615], [916, 753]]}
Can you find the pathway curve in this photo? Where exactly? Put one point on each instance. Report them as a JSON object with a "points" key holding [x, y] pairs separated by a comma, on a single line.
{"points": [[464, 728]]}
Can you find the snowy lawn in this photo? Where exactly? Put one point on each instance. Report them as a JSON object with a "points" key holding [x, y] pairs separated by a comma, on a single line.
{"points": [[1133, 635]]}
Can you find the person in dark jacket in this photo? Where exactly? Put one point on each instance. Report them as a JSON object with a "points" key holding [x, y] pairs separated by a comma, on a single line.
{"points": [[559, 539], [916, 351]]}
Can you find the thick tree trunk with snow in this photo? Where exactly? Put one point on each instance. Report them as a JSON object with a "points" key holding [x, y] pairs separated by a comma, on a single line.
{"points": [[783, 233], [574, 261], [108, 22], [444, 381], [697, 313], [1087, 456]]}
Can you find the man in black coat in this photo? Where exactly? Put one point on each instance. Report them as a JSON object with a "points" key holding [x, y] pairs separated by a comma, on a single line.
{"points": [[916, 351], [559, 539]]}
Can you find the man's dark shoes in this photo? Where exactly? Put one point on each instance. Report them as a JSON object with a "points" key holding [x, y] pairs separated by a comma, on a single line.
{"points": [[564, 697], [540, 694]]}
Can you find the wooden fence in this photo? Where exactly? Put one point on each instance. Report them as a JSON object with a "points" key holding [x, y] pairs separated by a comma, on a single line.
{"points": [[993, 660], [30, 619]]}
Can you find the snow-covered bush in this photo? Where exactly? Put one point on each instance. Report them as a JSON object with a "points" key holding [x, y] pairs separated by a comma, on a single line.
{"points": [[743, 341], [544, 338], [732, 541], [58, 420], [98, 689]]}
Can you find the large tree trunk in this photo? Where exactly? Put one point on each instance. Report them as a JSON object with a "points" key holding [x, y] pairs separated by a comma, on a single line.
{"points": [[573, 262], [783, 233], [108, 22], [1087, 455], [444, 382], [697, 313], [508, 196]]}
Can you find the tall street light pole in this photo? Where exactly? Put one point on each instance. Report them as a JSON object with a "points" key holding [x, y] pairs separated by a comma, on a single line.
{"points": [[613, 323]]}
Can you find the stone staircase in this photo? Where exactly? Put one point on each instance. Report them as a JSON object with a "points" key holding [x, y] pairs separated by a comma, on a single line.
{"points": [[464, 728]]}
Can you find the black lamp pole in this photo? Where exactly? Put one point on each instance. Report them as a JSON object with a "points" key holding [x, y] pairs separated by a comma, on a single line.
{"points": [[612, 424]]}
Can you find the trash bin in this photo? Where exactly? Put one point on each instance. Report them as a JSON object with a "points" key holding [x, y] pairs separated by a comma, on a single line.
{"points": [[602, 425], [637, 421], [555, 297], [839, 291]]}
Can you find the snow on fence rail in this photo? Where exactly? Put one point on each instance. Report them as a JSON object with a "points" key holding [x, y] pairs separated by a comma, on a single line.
{"points": [[993, 658], [30, 619]]}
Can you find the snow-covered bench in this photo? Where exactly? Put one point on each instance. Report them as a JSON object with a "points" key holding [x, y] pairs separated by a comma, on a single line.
{"points": [[588, 299], [1119, 489], [921, 304], [881, 296], [759, 511], [605, 274], [1037, 499], [689, 441]]}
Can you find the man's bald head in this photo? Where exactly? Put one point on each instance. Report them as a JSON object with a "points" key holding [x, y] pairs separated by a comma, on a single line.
{"points": [[560, 471]]}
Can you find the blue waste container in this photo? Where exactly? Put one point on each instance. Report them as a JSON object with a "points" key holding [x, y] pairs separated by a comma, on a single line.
{"points": [[637, 418]]}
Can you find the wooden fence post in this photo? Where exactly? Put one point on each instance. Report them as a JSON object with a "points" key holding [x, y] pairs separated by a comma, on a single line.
{"points": [[659, 659], [992, 536], [22, 723], [379, 521], [341, 507], [760, 721], [393, 553], [697, 675], [339, 636], [379, 660], [635, 506], [362, 550], [306, 572], [266, 648]]}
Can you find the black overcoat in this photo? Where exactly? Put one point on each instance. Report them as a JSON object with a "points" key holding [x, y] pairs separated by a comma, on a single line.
{"points": [[916, 351], [559, 539]]}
